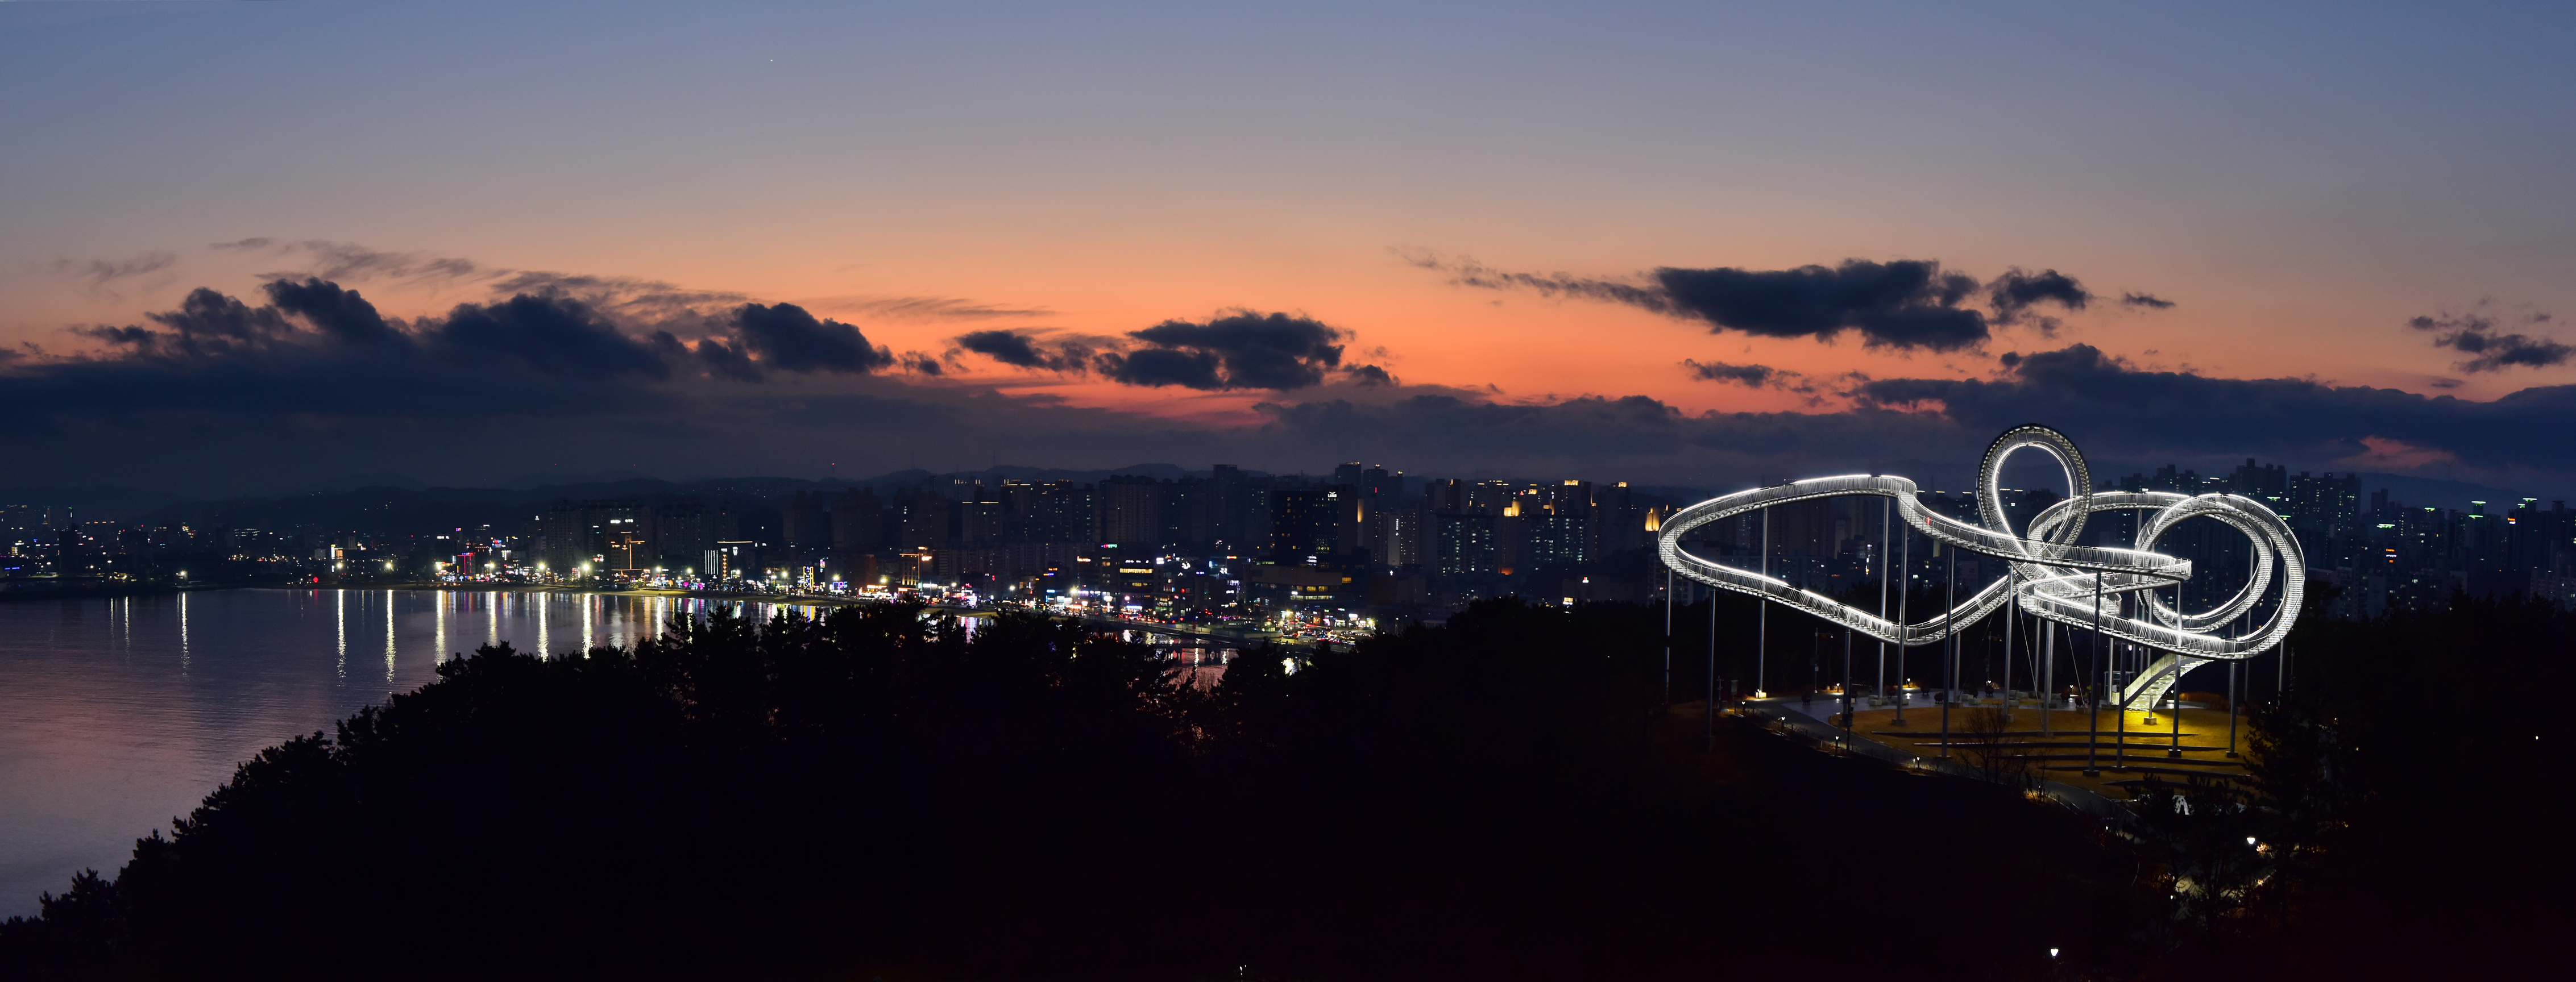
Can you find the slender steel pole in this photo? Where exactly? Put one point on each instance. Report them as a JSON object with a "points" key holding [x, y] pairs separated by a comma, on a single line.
{"points": [[2093, 725], [2048, 678], [1887, 538], [1712, 668], [2120, 750], [2012, 613], [1762, 629], [1904, 597], [1847, 685], [2231, 709], [1668, 635], [2236, 689], [2176, 687], [1950, 659]]}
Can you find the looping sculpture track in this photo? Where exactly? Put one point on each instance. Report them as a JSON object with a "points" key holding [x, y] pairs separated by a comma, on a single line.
{"points": [[2050, 576]]}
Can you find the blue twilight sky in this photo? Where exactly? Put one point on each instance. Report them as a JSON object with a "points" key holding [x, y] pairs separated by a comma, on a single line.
{"points": [[2293, 184]]}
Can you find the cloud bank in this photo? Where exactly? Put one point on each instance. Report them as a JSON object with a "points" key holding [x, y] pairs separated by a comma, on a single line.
{"points": [[2492, 350], [1239, 349], [1904, 304], [309, 380]]}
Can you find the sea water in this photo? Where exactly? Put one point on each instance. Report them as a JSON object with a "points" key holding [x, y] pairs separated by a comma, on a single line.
{"points": [[118, 715]]}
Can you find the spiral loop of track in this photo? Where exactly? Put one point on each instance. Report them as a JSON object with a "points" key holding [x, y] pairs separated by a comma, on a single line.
{"points": [[2050, 576]]}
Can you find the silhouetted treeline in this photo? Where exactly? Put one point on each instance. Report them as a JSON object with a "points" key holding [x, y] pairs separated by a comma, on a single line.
{"points": [[875, 793], [2410, 805]]}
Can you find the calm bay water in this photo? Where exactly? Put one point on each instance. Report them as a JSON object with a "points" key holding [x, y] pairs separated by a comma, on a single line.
{"points": [[118, 715]]}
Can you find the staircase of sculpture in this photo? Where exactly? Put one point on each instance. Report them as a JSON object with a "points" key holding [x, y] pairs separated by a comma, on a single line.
{"points": [[2158, 679]]}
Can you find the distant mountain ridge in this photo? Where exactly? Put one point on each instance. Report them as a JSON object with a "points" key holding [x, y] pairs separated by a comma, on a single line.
{"points": [[394, 501], [93, 504], [369, 500]]}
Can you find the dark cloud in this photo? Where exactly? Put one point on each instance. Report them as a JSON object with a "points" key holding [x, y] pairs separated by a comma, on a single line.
{"points": [[320, 359], [2138, 415], [1008, 347], [1020, 350], [2476, 335], [920, 363], [315, 336], [219, 320], [221, 396], [786, 338], [1368, 375], [338, 313], [2146, 300], [1238, 350], [726, 360], [1900, 304], [1904, 304], [343, 262], [1749, 376], [1166, 366], [2013, 294], [207, 324], [98, 273], [2018, 290], [2498, 351], [553, 335]]}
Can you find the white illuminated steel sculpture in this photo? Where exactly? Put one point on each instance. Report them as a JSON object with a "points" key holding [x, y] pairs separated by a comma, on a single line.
{"points": [[2050, 576]]}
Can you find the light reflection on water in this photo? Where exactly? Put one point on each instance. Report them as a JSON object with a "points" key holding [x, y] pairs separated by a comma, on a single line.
{"points": [[117, 715], [1200, 664]]}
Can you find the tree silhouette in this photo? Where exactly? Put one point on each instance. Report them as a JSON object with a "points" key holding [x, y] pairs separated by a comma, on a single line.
{"points": [[881, 791]]}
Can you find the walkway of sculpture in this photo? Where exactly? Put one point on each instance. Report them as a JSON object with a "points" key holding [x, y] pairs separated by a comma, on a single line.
{"points": [[2125, 603]]}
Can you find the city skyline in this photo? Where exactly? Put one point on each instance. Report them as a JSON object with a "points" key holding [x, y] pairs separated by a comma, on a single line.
{"points": [[1229, 543]]}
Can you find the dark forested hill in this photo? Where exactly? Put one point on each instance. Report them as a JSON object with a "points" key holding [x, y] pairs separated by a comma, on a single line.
{"points": [[878, 794]]}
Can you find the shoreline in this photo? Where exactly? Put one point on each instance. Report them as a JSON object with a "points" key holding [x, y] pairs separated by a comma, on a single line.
{"points": [[1214, 637]]}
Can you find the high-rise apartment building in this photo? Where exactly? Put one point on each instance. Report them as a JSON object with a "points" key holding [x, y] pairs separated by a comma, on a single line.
{"points": [[1131, 512]]}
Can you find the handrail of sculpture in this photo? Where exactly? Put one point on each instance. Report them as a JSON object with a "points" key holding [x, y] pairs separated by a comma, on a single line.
{"points": [[2049, 577]]}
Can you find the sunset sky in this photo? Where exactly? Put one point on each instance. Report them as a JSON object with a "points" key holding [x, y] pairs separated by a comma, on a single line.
{"points": [[1527, 241]]}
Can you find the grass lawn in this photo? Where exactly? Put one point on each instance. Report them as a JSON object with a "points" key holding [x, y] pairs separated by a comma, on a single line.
{"points": [[2061, 754]]}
